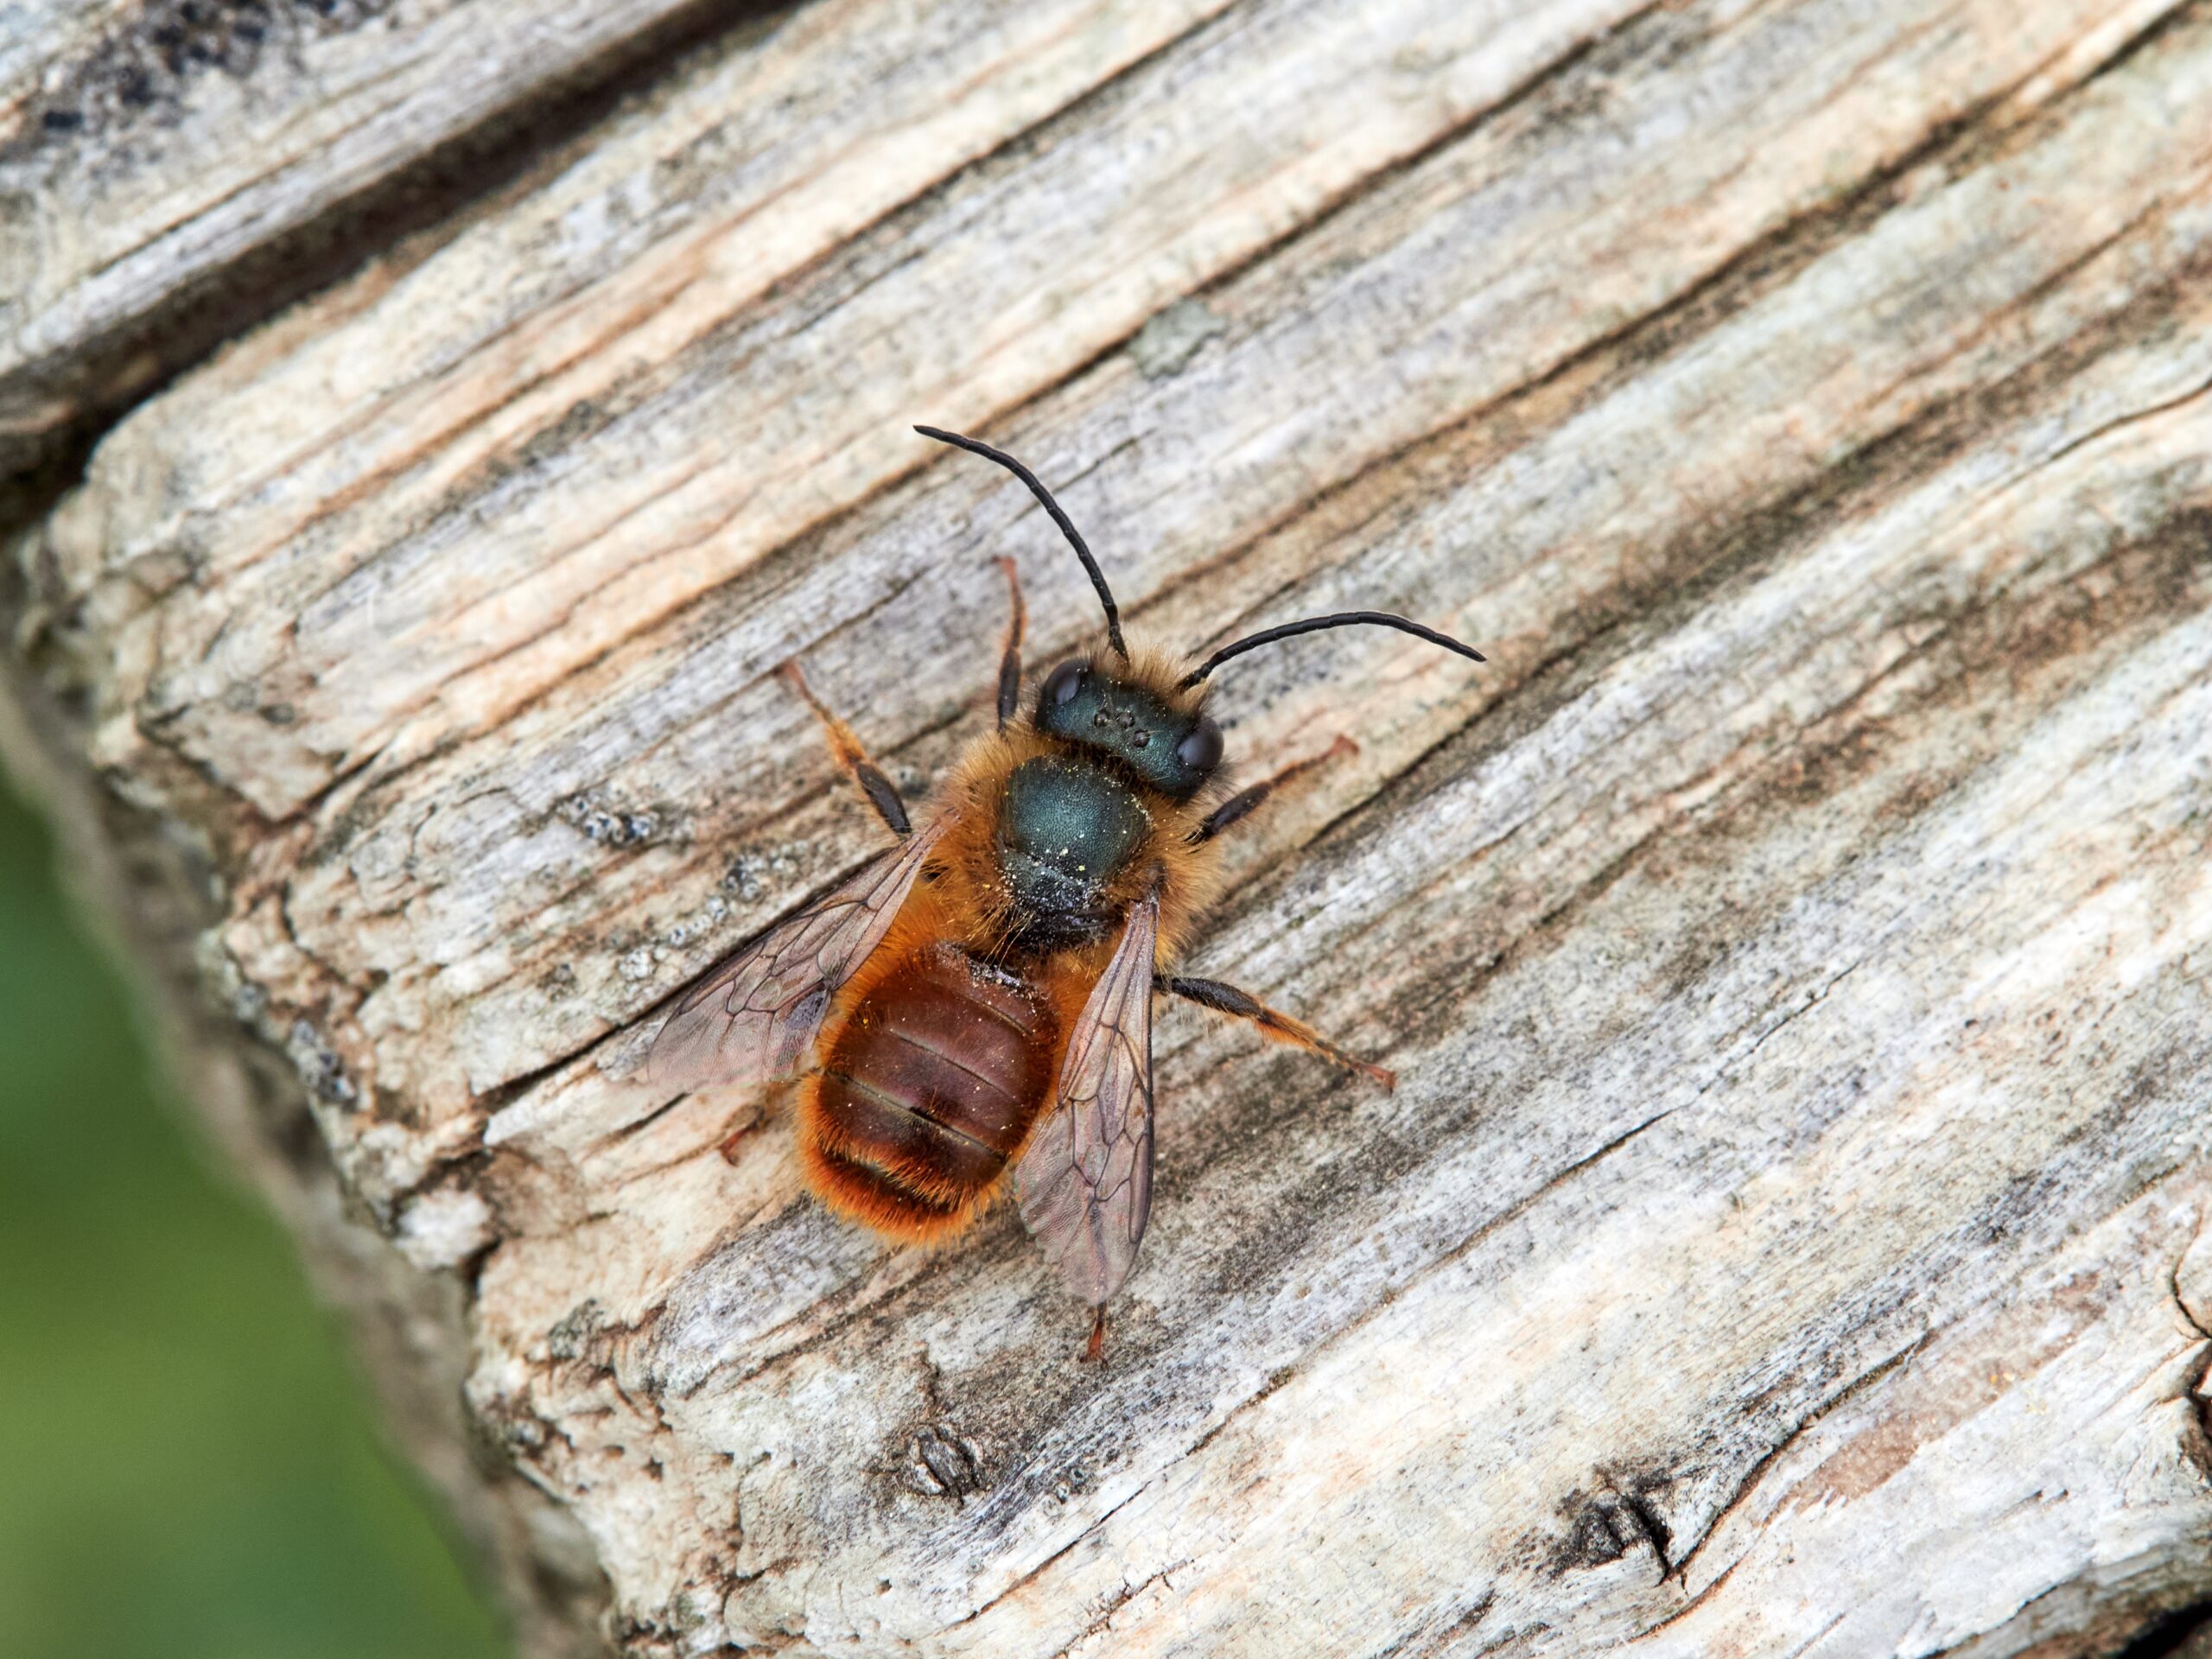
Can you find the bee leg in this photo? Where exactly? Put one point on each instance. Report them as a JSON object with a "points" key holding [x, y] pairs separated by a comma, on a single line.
{"points": [[1277, 1027], [1241, 804], [732, 1144], [882, 794], [1010, 659], [746, 1123]]}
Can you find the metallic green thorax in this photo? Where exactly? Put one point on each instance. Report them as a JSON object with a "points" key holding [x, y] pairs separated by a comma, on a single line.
{"points": [[1066, 829]]}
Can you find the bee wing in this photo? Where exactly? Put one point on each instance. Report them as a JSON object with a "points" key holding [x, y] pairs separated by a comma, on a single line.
{"points": [[1085, 1182], [756, 1015]]}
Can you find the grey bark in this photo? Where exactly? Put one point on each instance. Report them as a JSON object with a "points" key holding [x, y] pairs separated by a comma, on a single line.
{"points": [[1788, 1235]]}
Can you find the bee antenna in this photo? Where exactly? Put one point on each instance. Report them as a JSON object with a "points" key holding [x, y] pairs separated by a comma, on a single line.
{"points": [[977, 447], [1314, 625]]}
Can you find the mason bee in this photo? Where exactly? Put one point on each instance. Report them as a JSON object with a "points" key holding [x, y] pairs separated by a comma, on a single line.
{"points": [[976, 1005]]}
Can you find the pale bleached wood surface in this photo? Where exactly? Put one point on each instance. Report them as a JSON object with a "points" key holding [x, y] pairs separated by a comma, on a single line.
{"points": [[1788, 1235], [165, 160]]}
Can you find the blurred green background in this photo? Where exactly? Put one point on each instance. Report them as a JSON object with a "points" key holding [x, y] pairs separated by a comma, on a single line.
{"points": [[188, 1462]]}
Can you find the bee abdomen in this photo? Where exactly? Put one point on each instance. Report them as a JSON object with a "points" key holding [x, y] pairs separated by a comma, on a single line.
{"points": [[929, 1089]]}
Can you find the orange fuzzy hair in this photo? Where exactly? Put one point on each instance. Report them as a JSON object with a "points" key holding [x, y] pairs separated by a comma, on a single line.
{"points": [[963, 898], [971, 883]]}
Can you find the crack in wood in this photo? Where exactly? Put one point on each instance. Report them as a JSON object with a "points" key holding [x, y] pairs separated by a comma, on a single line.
{"points": [[1834, 785]]}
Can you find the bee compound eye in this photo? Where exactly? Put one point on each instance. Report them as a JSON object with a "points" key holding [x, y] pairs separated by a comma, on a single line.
{"points": [[1200, 749], [1063, 683]]}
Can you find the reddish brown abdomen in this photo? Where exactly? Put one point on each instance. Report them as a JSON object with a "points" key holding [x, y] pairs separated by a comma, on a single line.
{"points": [[928, 1090]]}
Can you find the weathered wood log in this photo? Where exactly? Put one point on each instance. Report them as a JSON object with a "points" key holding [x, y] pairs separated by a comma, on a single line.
{"points": [[1789, 1232], [171, 168]]}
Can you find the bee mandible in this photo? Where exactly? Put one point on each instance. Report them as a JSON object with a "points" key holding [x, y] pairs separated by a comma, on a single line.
{"points": [[974, 1006]]}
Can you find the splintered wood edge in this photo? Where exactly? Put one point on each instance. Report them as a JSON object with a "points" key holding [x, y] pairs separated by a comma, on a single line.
{"points": [[1902, 747], [185, 172]]}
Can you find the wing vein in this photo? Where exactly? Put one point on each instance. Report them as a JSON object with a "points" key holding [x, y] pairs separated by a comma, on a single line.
{"points": [[756, 1015], [1085, 1183]]}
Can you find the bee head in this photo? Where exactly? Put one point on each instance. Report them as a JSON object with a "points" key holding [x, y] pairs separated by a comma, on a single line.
{"points": [[1164, 739], [1157, 732]]}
